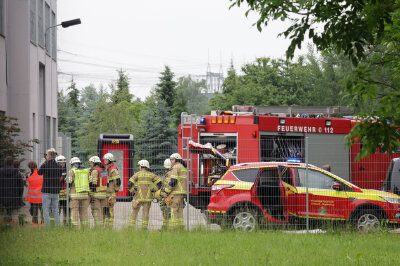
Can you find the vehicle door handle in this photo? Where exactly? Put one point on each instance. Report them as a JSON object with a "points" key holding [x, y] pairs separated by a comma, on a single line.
{"points": [[361, 168]]}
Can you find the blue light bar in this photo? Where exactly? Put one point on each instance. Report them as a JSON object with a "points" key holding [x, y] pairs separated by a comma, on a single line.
{"points": [[293, 160], [202, 120]]}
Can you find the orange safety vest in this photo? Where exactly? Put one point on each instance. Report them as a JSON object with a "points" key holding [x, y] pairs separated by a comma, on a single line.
{"points": [[35, 187]]}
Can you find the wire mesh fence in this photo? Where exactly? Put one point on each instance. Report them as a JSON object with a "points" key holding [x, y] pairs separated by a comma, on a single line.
{"points": [[273, 180]]}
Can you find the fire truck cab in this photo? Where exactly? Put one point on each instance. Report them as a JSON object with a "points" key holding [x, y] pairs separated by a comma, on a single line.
{"points": [[275, 133]]}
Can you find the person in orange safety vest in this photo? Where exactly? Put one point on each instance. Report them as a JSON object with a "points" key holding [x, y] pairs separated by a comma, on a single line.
{"points": [[34, 195]]}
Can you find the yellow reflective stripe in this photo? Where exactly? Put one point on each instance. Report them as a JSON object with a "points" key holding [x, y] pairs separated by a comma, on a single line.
{"points": [[236, 184], [144, 182], [324, 192]]}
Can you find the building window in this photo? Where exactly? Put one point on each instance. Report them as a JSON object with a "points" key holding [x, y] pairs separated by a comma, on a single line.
{"points": [[2, 113], [53, 37], [48, 132], [47, 25], [1, 16], [54, 132], [33, 21], [40, 23], [33, 125]]}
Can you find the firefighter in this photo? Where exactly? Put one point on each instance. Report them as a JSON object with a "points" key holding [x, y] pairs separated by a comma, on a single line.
{"points": [[63, 192], [166, 210], [175, 190], [142, 181], [98, 185], [114, 182], [78, 177]]}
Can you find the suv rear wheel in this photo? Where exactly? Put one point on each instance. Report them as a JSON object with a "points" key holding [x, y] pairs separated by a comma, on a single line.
{"points": [[245, 220], [367, 220]]}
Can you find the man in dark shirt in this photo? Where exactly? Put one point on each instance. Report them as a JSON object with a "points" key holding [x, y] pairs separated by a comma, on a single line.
{"points": [[51, 172], [11, 185]]}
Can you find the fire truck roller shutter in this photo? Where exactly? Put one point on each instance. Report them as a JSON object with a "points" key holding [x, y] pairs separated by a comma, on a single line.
{"points": [[330, 149]]}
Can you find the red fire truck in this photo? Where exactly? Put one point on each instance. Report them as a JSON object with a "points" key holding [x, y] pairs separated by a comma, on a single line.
{"points": [[121, 146], [263, 134]]}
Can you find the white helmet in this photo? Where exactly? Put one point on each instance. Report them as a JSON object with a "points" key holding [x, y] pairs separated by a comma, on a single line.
{"points": [[176, 156], [109, 156], [60, 159], [95, 159], [144, 163], [167, 163], [74, 160], [51, 149]]}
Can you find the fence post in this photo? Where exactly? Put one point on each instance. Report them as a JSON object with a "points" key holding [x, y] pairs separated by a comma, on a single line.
{"points": [[307, 205]]}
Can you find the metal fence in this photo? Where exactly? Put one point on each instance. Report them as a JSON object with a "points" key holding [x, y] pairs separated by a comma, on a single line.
{"points": [[277, 183]]}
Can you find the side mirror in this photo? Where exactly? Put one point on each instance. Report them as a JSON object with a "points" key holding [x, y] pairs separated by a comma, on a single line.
{"points": [[337, 186]]}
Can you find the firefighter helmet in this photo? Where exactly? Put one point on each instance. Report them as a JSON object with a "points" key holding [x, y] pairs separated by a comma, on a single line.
{"points": [[51, 149], [109, 156], [74, 160], [176, 156], [167, 163], [144, 163], [95, 159], [60, 159]]}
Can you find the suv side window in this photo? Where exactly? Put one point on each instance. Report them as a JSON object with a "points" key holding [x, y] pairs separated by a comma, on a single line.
{"points": [[247, 175], [315, 179]]}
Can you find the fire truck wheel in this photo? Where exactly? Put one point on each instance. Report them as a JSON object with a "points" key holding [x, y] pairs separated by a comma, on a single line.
{"points": [[367, 220], [245, 220]]}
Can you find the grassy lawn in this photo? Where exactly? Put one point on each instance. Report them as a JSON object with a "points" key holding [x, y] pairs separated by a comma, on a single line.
{"points": [[126, 247]]}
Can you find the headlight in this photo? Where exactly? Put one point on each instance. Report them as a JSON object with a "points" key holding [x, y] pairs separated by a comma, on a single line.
{"points": [[391, 199]]}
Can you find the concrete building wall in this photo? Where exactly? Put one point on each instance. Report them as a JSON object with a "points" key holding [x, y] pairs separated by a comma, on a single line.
{"points": [[31, 87]]}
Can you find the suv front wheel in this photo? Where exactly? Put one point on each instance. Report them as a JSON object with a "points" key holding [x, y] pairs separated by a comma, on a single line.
{"points": [[367, 220]]}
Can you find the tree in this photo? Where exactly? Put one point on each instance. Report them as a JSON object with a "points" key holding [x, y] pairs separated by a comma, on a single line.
{"points": [[73, 95], [121, 93], [159, 139], [110, 117], [368, 33], [348, 26], [196, 102], [165, 89], [9, 143], [279, 82]]}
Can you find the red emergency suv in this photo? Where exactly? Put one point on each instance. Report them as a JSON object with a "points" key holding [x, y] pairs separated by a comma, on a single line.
{"points": [[276, 192]]}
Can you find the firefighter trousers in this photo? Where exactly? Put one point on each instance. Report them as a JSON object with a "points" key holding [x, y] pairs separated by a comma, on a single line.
{"points": [[166, 213], [177, 211], [98, 206], [109, 217], [63, 209], [79, 209], [135, 210]]}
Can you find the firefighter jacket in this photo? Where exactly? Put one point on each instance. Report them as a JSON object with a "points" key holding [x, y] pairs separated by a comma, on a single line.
{"points": [[63, 179], [178, 180], [99, 178], [79, 180], [144, 181], [113, 180], [166, 179], [35, 181]]}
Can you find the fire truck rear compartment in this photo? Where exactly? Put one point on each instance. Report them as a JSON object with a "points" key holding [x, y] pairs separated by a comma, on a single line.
{"points": [[280, 148]]}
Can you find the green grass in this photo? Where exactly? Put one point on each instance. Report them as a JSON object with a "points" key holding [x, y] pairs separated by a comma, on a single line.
{"points": [[126, 247]]}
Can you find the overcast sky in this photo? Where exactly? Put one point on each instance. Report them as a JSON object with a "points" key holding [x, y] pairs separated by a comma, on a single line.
{"points": [[142, 37]]}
